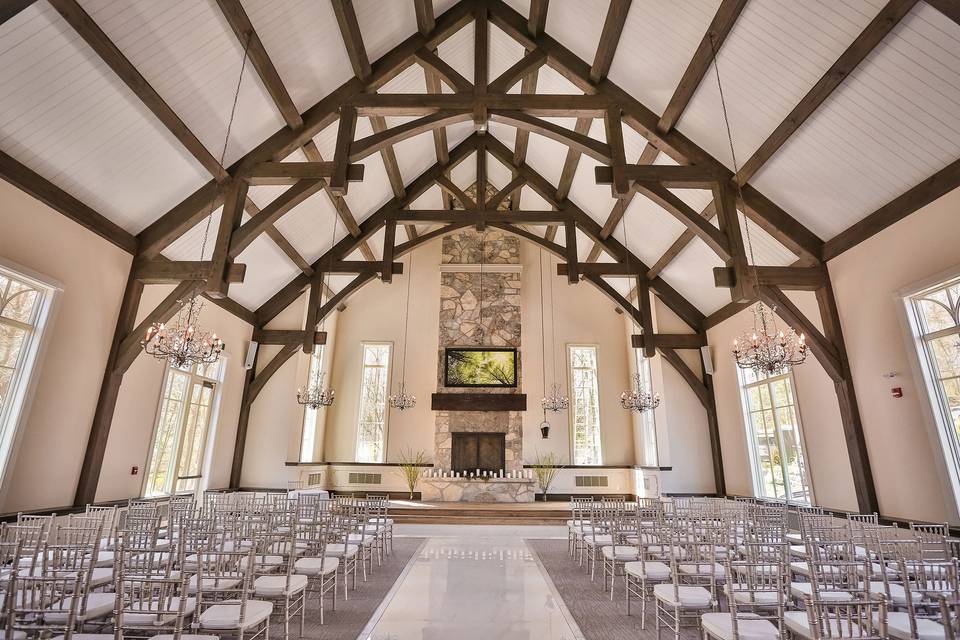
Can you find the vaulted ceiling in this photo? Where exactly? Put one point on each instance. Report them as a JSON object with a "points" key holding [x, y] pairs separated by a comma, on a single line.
{"points": [[115, 112]]}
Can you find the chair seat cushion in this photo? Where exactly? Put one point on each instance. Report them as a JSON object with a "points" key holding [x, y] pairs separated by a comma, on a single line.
{"points": [[382, 521], [273, 586], [702, 569], [99, 605], [226, 615], [620, 553], [687, 597], [598, 541], [720, 625], [650, 570], [897, 594], [898, 626], [316, 566], [138, 619], [805, 589], [761, 598], [338, 550], [213, 584]]}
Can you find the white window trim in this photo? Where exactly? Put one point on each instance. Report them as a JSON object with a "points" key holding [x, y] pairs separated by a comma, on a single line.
{"points": [[748, 433], [570, 417], [45, 324], [359, 402], [930, 407], [207, 465]]}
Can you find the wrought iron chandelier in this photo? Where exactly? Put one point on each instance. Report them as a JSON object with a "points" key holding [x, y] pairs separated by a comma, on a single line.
{"points": [[316, 395], [555, 401], [639, 399], [765, 349], [401, 401], [184, 343], [768, 350]]}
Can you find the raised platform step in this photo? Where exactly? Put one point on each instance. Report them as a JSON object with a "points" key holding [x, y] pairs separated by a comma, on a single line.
{"points": [[549, 513]]}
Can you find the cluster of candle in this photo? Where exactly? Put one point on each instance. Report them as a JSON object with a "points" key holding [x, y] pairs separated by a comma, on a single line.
{"points": [[481, 473]]}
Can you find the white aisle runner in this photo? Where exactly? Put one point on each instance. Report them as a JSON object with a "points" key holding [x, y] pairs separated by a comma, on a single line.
{"points": [[474, 582]]}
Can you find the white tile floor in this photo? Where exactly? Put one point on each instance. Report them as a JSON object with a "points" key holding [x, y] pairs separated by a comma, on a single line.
{"points": [[473, 582]]}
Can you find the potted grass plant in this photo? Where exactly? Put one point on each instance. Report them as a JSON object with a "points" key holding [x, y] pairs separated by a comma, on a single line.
{"points": [[545, 468], [412, 466]]}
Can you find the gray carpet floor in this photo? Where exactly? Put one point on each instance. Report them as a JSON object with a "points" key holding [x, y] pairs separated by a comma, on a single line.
{"points": [[352, 615], [597, 617]]}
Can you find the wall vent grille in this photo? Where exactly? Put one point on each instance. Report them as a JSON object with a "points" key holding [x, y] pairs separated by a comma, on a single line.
{"points": [[592, 481], [365, 478], [314, 479]]}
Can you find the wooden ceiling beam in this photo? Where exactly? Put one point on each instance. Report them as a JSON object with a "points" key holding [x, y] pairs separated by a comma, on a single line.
{"points": [[278, 337], [240, 23], [292, 290], [425, 17], [609, 38], [385, 138], [716, 239], [526, 65], [173, 272], [283, 204], [10, 8], [476, 216], [949, 8], [449, 187], [881, 25], [32, 183], [416, 104], [763, 211], [723, 21], [670, 176], [450, 76], [669, 340], [197, 205], [647, 156], [937, 185], [505, 192], [93, 35], [284, 173], [312, 152], [352, 38], [597, 150]]}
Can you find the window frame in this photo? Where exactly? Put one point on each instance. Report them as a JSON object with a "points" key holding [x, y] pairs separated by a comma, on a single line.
{"points": [[209, 441], [940, 429], [386, 399], [752, 451], [318, 355], [17, 413], [571, 417], [647, 419]]}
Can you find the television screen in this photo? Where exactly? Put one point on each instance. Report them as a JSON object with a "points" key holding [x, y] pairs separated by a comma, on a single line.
{"points": [[480, 367]]}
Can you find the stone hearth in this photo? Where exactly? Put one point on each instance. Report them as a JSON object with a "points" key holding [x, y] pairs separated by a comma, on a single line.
{"points": [[477, 490]]}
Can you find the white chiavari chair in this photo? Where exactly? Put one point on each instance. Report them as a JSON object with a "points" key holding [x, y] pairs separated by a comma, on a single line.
{"points": [[313, 561], [859, 619], [755, 597], [275, 580], [623, 526], [42, 606], [684, 597], [223, 597]]}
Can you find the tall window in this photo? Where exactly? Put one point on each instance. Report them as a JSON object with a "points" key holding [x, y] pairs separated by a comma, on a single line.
{"points": [[183, 424], [24, 305], [585, 404], [773, 431], [936, 323], [648, 423], [374, 381], [310, 415]]}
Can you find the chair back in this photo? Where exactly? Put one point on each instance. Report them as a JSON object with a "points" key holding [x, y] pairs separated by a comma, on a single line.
{"points": [[43, 605]]}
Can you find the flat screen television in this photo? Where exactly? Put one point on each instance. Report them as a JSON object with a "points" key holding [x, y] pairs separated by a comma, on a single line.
{"points": [[480, 367]]}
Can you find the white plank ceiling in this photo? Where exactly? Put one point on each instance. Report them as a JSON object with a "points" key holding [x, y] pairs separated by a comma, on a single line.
{"points": [[891, 124]]}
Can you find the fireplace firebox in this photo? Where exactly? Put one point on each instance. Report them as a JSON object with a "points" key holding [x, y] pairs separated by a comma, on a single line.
{"points": [[473, 451]]}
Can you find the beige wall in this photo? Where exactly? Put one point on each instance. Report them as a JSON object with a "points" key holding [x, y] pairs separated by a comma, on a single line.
{"points": [[93, 273], [138, 403], [907, 462], [817, 406]]}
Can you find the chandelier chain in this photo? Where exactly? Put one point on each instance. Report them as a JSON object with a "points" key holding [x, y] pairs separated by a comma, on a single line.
{"points": [[733, 153]]}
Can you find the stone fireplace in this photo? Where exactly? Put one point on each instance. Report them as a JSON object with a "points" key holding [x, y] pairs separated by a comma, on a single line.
{"points": [[480, 307]]}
